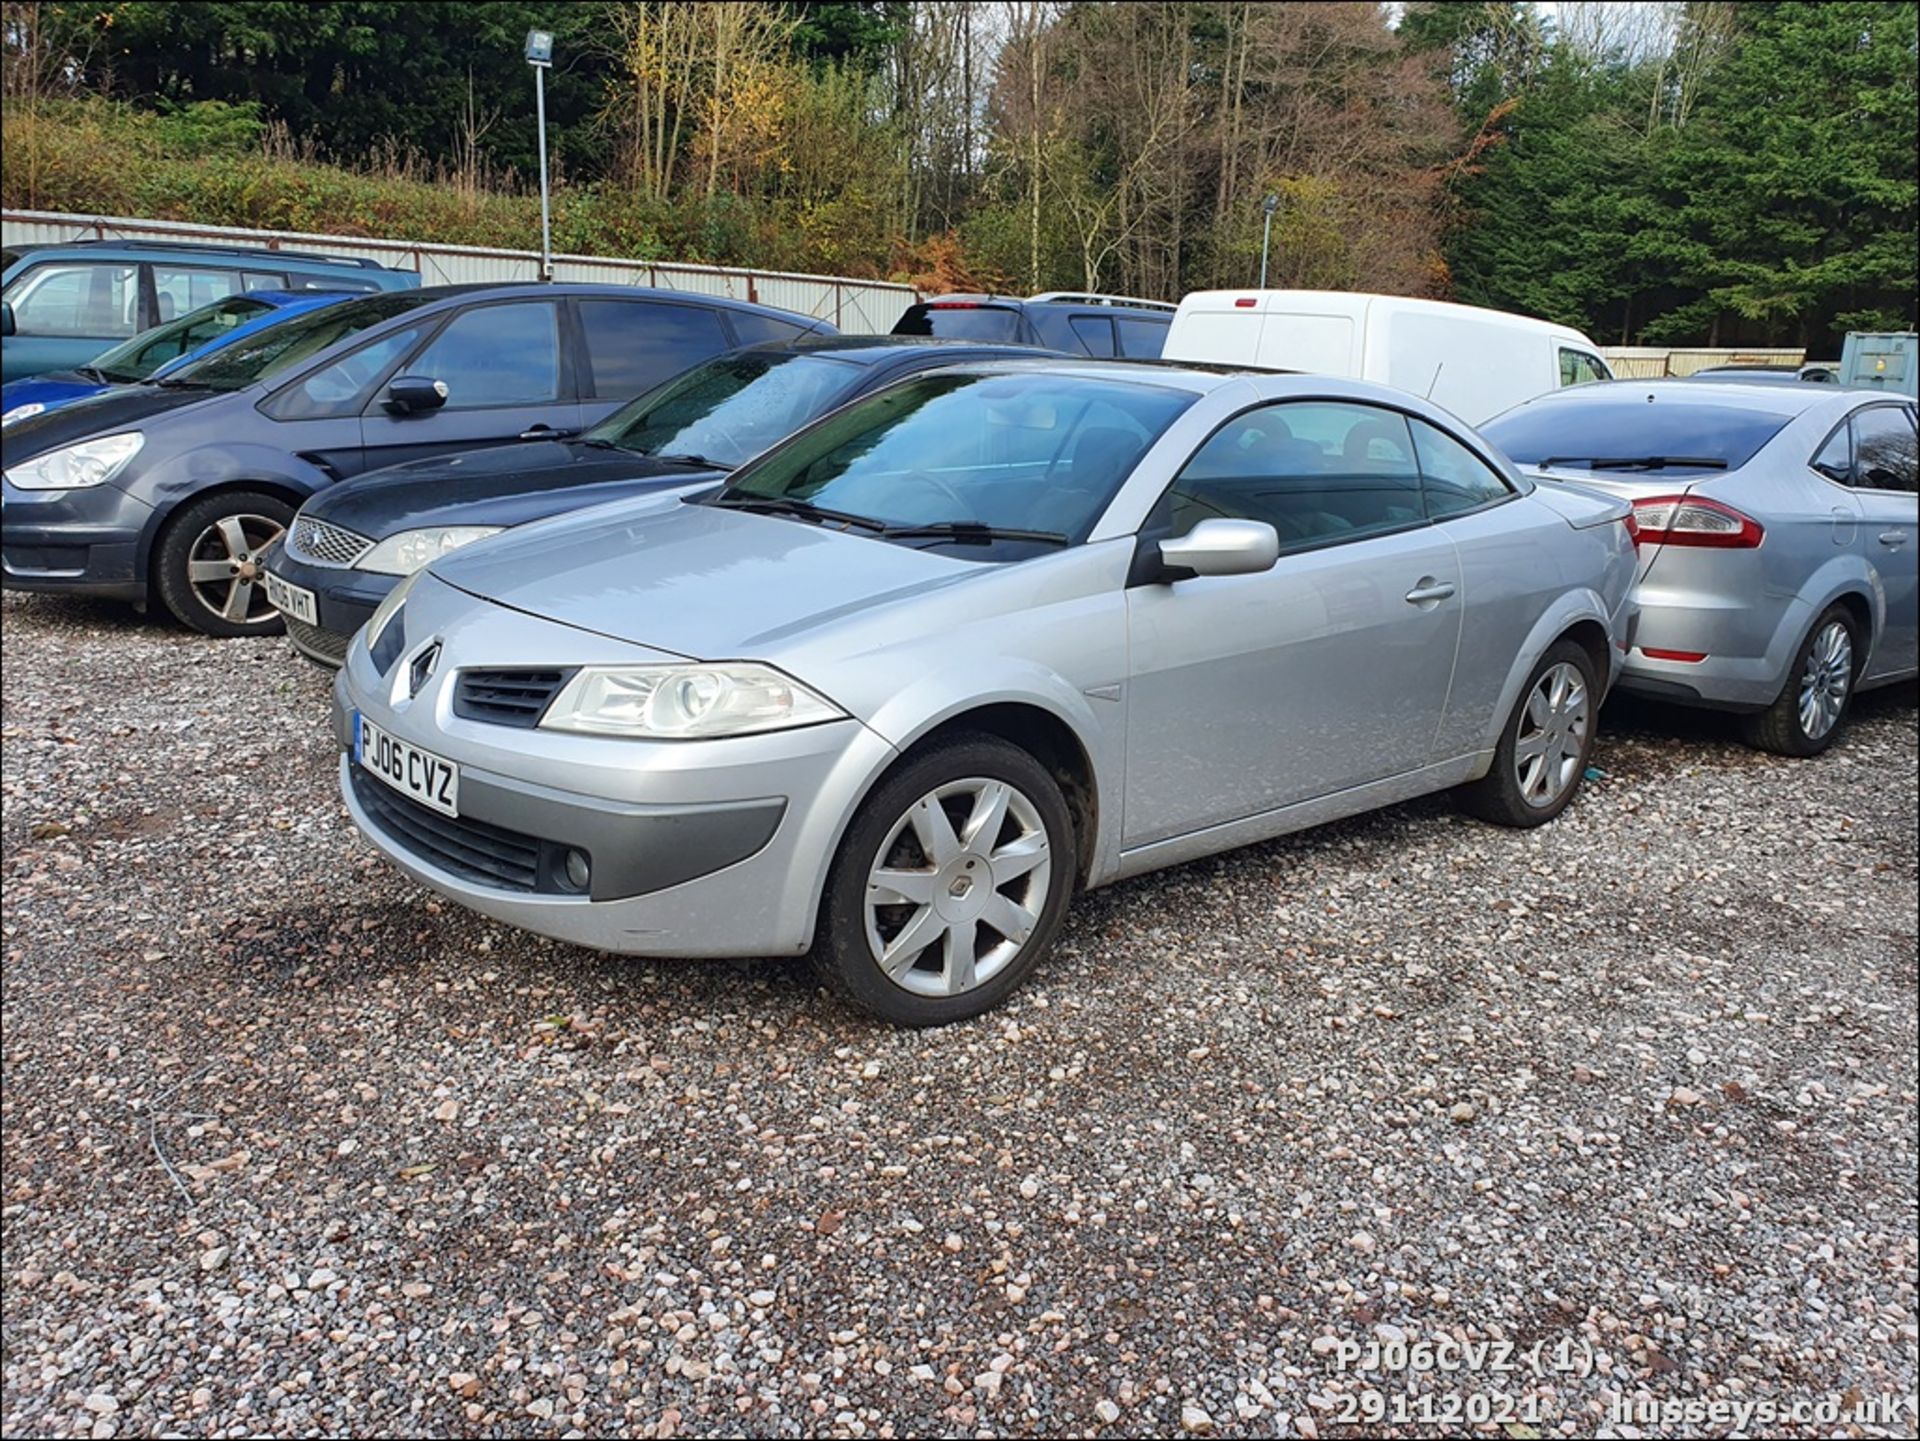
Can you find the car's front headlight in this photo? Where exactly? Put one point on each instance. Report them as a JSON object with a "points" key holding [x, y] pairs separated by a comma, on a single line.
{"points": [[75, 467], [22, 412], [388, 608], [685, 702], [406, 552]]}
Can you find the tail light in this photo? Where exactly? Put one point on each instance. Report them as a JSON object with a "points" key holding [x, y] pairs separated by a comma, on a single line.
{"points": [[1632, 523], [1694, 520], [954, 305]]}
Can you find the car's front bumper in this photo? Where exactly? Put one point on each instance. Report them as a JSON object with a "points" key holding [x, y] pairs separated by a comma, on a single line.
{"points": [[696, 848], [345, 599], [81, 542]]}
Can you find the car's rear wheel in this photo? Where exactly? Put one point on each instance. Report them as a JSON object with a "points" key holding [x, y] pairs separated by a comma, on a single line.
{"points": [[207, 565], [1805, 718], [1542, 755], [950, 885]]}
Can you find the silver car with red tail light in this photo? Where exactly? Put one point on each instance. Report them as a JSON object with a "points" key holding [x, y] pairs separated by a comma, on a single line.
{"points": [[1777, 528]]}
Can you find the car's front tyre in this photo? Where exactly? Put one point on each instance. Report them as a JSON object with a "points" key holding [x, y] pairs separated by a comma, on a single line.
{"points": [[207, 568], [949, 885], [1807, 715]]}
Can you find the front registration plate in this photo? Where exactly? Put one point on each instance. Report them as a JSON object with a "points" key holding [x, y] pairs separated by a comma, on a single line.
{"points": [[417, 774], [293, 600]]}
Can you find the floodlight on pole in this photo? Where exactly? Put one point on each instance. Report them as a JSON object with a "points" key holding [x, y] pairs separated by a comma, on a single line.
{"points": [[1269, 205], [540, 57]]}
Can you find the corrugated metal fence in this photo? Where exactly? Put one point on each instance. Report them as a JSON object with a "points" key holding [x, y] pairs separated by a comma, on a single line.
{"points": [[1647, 362], [859, 307]]}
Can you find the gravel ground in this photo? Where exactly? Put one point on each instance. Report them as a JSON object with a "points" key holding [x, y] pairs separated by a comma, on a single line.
{"points": [[292, 1148]]}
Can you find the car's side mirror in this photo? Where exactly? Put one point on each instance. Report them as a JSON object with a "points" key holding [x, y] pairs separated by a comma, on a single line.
{"points": [[1221, 547], [6, 317], [411, 394]]}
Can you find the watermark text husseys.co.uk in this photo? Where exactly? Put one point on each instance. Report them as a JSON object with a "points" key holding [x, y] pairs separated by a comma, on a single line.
{"points": [[1744, 1416]]}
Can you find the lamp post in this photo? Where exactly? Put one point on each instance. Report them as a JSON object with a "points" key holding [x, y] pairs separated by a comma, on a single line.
{"points": [[540, 57], [1269, 205]]}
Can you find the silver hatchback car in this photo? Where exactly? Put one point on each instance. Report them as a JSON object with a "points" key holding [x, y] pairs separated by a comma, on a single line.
{"points": [[1778, 538], [998, 632]]}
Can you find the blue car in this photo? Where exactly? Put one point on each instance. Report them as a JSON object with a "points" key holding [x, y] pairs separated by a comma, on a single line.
{"points": [[62, 304], [154, 354]]}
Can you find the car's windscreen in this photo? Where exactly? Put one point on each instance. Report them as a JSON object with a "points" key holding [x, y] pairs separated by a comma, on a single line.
{"points": [[280, 348], [1621, 429], [138, 358], [990, 466], [730, 409], [961, 322]]}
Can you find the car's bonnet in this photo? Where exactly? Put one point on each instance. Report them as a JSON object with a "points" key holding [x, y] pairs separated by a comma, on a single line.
{"points": [[122, 407], [502, 485], [696, 580]]}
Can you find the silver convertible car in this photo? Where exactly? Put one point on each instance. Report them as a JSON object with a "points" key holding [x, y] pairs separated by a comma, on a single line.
{"points": [[1778, 529], [908, 680]]}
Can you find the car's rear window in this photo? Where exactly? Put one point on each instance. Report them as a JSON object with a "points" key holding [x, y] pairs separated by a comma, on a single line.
{"points": [[961, 322], [1622, 423]]}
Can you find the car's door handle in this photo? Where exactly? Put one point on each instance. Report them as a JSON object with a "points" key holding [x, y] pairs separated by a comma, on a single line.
{"points": [[544, 432], [1429, 591], [1893, 537]]}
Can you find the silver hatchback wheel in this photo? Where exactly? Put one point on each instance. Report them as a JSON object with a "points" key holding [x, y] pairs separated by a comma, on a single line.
{"points": [[1826, 680], [1552, 738], [957, 887], [223, 567]]}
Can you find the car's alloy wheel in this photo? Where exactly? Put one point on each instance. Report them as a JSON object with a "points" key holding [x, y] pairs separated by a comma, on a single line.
{"points": [[224, 571], [1825, 680], [1807, 716], [956, 888], [950, 883], [1551, 747]]}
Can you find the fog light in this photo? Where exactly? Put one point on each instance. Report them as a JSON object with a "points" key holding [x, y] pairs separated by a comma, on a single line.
{"points": [[578, 871]]}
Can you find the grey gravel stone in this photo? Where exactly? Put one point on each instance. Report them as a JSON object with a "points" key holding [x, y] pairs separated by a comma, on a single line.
{"points": [[1230, 1091]]}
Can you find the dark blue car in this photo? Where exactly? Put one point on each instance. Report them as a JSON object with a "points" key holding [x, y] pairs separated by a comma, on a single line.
{"points": [[172, 489], [155, 353], [351, 544]]}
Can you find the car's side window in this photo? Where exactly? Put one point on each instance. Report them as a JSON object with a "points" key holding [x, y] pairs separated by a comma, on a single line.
{"points": [[1095, 334], [1884, 449], [1577, 367], [752, 328], [262, 280], [341, 388], [1318, 472], [496, 355], [632, 346], [1452, 477], [1835, 457], [180, 288], [89, 299], [1143, 339]]}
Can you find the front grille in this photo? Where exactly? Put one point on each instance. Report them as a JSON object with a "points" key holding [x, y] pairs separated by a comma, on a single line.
{"points": [[507, 697], [318, 543], [329, 647], [473, 850]]}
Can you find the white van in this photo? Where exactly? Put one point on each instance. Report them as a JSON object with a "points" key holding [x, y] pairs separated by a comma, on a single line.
{"points": [[1474, 362]]}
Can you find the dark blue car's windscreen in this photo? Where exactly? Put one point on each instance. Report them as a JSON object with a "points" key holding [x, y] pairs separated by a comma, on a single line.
{"points": [[1621, 423]]}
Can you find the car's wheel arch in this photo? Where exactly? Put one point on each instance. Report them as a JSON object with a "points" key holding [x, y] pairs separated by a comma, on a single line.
{"points": [[165, 512], [1579, 616]]}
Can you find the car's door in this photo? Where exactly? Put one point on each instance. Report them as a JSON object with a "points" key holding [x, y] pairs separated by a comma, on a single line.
{"points": [[1884, 466], [65, 312], [1328, 671], [630, 346], [507, 377]]}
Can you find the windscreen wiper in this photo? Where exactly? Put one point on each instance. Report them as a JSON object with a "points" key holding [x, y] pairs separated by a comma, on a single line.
{"points": [[800, 509], [971, 532], [1635, 462], [705, 462]]}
